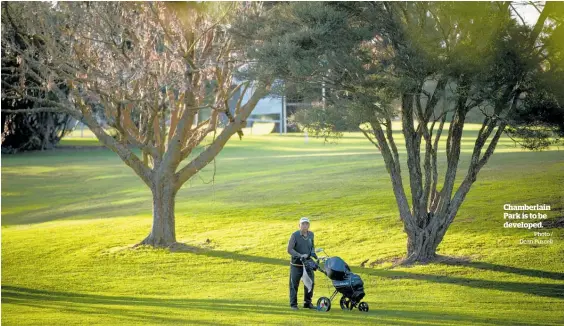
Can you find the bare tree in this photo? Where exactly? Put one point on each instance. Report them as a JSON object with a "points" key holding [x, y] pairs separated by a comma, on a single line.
{"points": [[149, 69]]}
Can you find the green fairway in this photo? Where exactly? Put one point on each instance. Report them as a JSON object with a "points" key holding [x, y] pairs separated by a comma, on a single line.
{"points": [[70, 217]]}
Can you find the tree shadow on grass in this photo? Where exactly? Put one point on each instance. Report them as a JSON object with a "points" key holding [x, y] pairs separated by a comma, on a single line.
{"points": [[72, 199], [450, 261], [184, 248], [145, 309], [539, 289]]}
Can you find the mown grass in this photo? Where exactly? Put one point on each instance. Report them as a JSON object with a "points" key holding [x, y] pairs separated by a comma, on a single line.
{"points": [[69, 219]]}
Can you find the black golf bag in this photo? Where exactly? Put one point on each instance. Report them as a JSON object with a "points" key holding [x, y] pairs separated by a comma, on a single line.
{"points": [[349, 284], [345, 282]]}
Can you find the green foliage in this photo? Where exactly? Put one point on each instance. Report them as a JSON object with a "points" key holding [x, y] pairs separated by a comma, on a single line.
{"points": [[299, 42], [369, 54]]}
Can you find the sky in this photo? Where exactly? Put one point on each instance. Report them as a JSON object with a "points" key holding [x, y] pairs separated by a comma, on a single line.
{"points": [[528, 11]]}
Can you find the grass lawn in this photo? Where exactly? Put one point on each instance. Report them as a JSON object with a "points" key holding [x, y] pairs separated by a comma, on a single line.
{"points": [[70, 217]]}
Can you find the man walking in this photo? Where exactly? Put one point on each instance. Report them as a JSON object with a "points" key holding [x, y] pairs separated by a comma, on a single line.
{"points": [[301, 246]]}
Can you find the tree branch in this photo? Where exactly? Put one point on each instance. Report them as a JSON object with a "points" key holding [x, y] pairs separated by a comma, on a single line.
{"points": [[365, 133], [395, 176], [123, 152], [412, 145], [453, 147], [433, 196], [211, 151]]}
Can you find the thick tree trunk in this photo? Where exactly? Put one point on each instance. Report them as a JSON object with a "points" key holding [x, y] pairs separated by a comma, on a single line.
{"points": [[163, 230], [422, 243]]}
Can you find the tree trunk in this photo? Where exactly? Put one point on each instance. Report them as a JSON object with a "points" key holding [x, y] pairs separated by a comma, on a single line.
{"points": [[163, 230], [422, 242]]}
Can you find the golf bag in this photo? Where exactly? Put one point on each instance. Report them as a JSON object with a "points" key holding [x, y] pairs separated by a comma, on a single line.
{"points": [[349, 284], [345, 282]]}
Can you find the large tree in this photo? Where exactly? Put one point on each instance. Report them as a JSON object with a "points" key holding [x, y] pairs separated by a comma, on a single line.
{"points": [[438, 62], [149, 69]]}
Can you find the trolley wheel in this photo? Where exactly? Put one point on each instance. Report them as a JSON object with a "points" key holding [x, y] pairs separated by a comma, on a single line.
{"points": [[345, 303], [324, 304], [363, 306]]}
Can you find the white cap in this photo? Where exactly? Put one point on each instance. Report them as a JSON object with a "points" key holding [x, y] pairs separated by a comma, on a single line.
{"points": [[303, 220]]}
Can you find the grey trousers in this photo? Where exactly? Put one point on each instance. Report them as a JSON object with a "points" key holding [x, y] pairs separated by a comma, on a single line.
{"points": [[296, 273]]}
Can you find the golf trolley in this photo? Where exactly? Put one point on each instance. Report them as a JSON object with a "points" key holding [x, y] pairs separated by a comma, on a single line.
{"points": [[347, 283]]}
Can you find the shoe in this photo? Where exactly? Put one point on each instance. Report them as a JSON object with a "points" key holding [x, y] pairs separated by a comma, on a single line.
{"points": [[294, 308], [309, 306]]}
